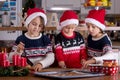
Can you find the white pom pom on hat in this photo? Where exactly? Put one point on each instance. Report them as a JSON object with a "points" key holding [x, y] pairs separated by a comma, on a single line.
{"points": [[33, 13]]}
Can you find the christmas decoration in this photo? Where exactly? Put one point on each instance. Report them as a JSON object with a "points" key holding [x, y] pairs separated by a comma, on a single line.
{"points": [[98, 3], [13, 71], [17, 68], [28, 4]]}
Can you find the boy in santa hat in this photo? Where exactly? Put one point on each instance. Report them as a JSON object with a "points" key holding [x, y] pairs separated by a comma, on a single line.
{"points": [[69, 45], [35, 46], [99, 45]]}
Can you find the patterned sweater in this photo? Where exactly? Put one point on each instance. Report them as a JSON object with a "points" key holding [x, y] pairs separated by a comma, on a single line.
{"points": [[37, 50], [97, 47], [70, 49]]}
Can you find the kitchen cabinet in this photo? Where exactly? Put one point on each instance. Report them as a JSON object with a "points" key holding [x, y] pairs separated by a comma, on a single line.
{"points": [[48, 4], [12, 10], [9, 35], [117, 6], [112, 8], [78, 5], [83, 10]]}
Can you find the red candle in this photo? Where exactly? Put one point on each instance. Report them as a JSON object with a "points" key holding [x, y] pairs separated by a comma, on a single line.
{"points": [[5, 63], [0, 56], [23, 62], [16, 60], [3, 56]]}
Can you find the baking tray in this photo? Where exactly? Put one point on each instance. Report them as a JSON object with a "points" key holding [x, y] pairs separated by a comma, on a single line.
{"points": [[67, 74]]}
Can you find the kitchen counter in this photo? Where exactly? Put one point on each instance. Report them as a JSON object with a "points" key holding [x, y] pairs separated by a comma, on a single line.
{"points": [[32, 77], [22, 28], [117, 28]]}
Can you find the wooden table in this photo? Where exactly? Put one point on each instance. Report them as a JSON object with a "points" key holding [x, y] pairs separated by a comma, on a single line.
{"points": [[32, 77]]}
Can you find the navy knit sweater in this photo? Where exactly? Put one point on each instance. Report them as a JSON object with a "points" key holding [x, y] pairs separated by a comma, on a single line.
{"points": [[37, 49], [99, 46]]}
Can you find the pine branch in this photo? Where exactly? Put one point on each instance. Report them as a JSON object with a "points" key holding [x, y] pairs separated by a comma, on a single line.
{"points": [[13, 71]]}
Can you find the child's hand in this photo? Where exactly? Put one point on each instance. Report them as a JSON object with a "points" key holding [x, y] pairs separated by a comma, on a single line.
{"points": [[37, 67], [20, 47], [86, 63], [29, 67], [62, 64], [83, 61]]}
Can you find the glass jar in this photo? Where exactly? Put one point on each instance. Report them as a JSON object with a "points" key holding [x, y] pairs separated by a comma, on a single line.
{"points": [[5, 19]]}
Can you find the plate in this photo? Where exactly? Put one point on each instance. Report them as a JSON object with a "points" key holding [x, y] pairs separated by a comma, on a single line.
{"points": [[67, 74]]}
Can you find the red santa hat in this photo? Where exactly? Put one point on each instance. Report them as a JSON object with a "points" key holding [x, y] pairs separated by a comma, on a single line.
{"points": [[68, 17], [96, 17], [33, 13]]}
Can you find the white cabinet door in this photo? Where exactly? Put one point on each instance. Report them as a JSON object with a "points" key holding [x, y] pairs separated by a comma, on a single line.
{"points": [[112, 8], [61, 3], [67, 3], [83, 10], [117, 7]]}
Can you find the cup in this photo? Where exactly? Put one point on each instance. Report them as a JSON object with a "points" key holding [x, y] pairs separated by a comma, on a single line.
{"points": [[110, 70], [117, 56], [110, 67], [95, 68]]}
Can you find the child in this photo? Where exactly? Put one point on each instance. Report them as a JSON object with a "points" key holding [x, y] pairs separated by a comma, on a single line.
{"points": [[69, 45], [33, 44], [98, 43]]}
